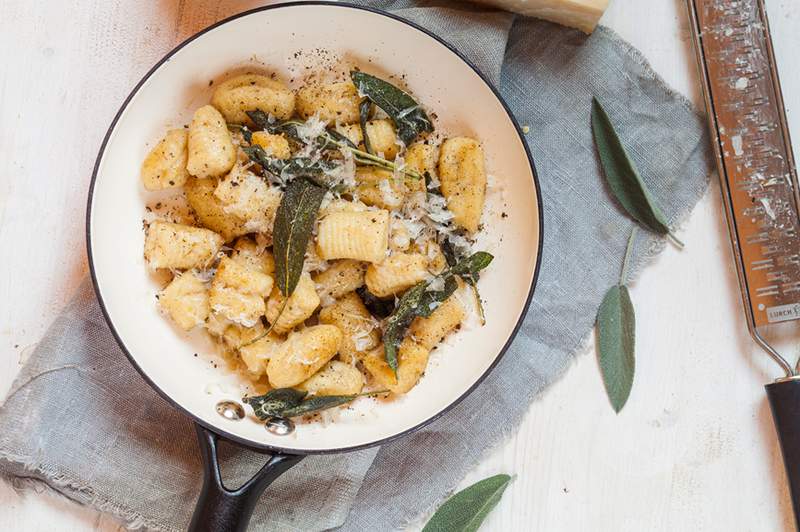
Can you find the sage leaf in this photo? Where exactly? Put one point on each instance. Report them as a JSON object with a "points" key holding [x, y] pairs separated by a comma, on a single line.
{"points": [[616, 326], [316, 404], [622, 176], [409, 118], [336, 139], [473, 264], [274, 402], [285, 169], [466, 510], [380, 308], [363, 115], [290, 402], [294, 221], [261, 120], [420, 301], [417, 301]]}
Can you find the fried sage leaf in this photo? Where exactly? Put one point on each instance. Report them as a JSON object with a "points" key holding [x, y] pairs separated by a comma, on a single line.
{"points": [[316, 404], [363, 115], [471, 278], [289, 402], [294, 221], [417, 301], [409, 118], [261, 120], [466, 510], [274, 402], [616, 332], [472, 265], [421, 301], [285, 169], [380, 308], [622, 175]]}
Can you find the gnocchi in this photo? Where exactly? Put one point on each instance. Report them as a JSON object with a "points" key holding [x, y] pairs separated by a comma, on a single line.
{"points": [[165, 165], [335, 378], [246, 197], [249, 92], [177, 246], [412, 359], [303, 354], [381, 134], [397, 273], [341, 277], [420, 157], [362, 235], [237, 292], [359, 329], [275, 145], [211, 152], [463, 178], [185, 299], [331, 103], [379, 188], [283, 314]]}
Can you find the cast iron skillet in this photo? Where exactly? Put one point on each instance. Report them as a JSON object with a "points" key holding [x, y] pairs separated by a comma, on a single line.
{"points": [[441, 77]]}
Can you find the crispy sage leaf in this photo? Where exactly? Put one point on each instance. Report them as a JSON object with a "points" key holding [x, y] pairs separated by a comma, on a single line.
{"points": [[363, 115], [274, 402], [466, 510], [408, 117], [417, 301], [317, 403], [261, 120], [473, 264], [420, 301], [315, 169], [616, 326], [471, 275], [380, 308], [622, 176], [290, 402], [294, 221]]}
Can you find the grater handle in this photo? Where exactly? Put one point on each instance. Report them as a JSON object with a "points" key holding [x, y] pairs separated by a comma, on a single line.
{"points": [[784, 401]]}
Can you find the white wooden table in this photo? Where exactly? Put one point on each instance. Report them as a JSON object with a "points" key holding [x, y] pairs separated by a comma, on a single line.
{"points": [[694, 448]]}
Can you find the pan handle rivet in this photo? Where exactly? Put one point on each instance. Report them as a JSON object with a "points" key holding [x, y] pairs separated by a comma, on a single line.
{"points": [[230, 410], [279, 426]]}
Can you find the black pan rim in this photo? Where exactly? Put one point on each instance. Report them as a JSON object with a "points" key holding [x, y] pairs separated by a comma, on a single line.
{"points": [[288, 450]]}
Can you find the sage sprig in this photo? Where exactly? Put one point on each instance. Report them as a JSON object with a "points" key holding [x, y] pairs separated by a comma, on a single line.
{"points": [[616, 337], [313, 169], [290, 402], [467, 509], [623, 177], [330, 138], [294, 221], [410, 120], [421, 301]]}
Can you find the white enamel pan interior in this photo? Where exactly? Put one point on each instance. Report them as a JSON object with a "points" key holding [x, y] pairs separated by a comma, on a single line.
{"points": [[465, 104]]}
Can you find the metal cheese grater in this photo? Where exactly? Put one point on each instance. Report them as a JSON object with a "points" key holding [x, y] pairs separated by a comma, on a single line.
{"points": [[759, 186]]}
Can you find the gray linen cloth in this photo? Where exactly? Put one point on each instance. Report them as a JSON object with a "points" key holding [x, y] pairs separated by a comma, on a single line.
{"points": [[80, 420]]}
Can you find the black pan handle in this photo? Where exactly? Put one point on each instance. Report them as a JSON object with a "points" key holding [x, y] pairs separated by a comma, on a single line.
{"points": [[784, 400], [220, 509]]}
